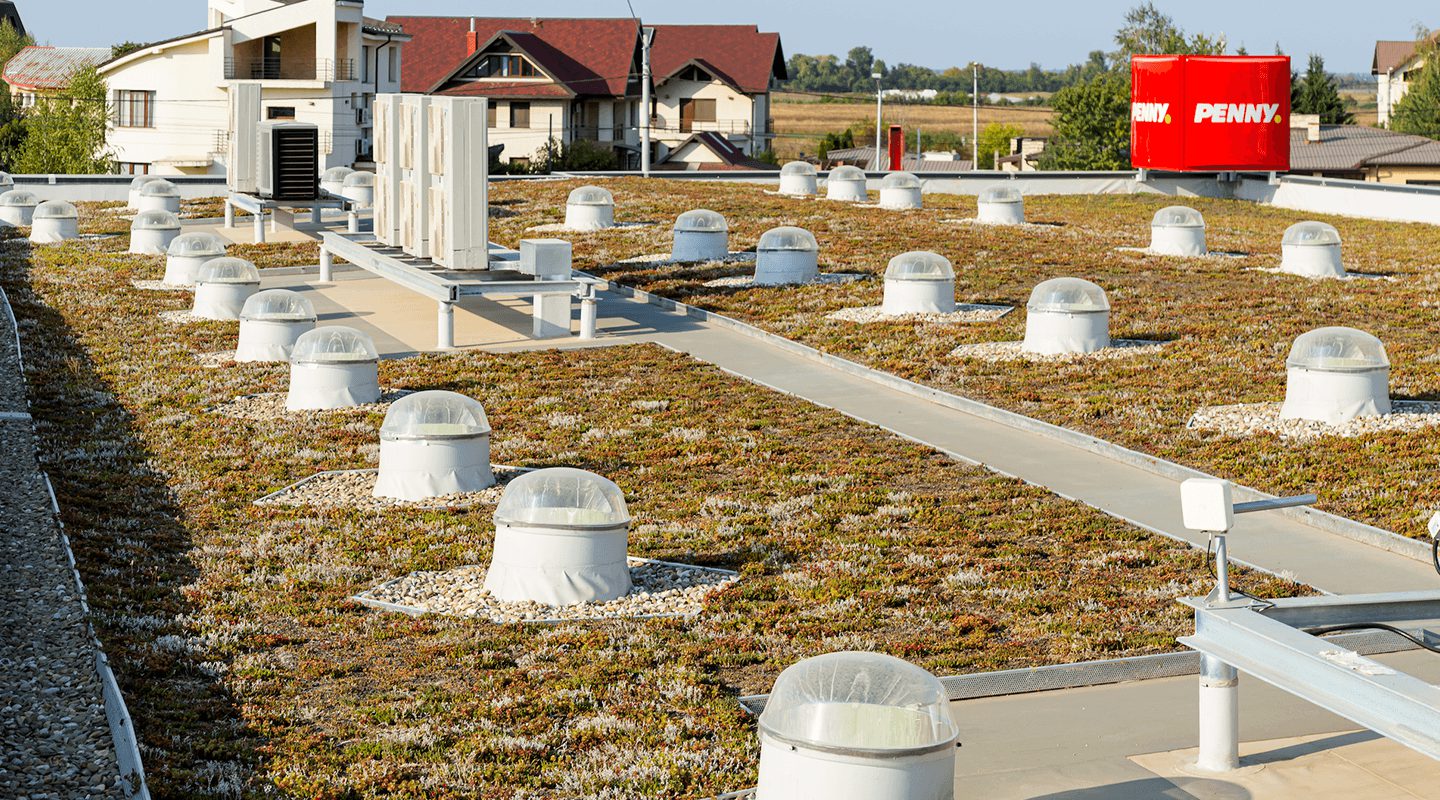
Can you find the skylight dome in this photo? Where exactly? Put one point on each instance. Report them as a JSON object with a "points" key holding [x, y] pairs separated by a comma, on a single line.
{"points": [[798, 179], [197, 244], [900, 180], [222, 285], [590, 196], [1177, 231], [431, 444], [846, 183], [19, 198], [797, 168], [919, 282], [434, 414], [1177, 217], [590, 208], [54, 221], [141, 180], [157, 220], [333, 344], [1067, 316], [700, 235], [788, 238], [152, 231], [701, 220], [133, 197], [1335, 375], [900, 190], [56, 209], [360, 178], [1068, 296], [332, 179], [1312, 250], [561, 497], [6, 181], [270, 323], [1337, 349], [333, 367], [277, 305], [158, 195], [919, 265], [1311, 234], [786, 255], [228, 269], [847, 173], [159, 187], [1000, 194]]}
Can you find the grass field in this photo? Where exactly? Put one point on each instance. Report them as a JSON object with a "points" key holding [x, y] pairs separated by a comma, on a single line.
{"points": [[800, 125], [250, 672], [1228, 324]]}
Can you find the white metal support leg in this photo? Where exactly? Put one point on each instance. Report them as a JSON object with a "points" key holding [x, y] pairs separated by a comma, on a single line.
{"points": [[587, 314], [327, 264], [354, 221], [445, 329], [1219, 716], [315, 214], [260, 228], [229, 214]]}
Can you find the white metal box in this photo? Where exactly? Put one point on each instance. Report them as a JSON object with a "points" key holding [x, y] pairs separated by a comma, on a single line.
{"points": [[1205, 504], [545, 258]]}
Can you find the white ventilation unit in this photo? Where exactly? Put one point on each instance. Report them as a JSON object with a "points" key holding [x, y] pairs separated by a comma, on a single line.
{"points": [[458, 173], [415, 172], [242, 162], [387, 169]]}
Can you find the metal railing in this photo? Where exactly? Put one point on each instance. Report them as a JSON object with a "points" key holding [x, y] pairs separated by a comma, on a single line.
{"points": [[290, 69], [691, 126], [592, 132]]}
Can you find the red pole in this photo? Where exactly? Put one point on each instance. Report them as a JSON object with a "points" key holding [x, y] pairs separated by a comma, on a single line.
{"points": [[897, 148]]}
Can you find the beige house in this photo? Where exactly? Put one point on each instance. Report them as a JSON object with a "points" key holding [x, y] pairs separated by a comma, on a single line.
{"points": [[715, 78], [1395, 63], [318, 61]]}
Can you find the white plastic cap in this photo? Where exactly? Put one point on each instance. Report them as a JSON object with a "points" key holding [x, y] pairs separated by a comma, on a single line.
{"points": [[159, 188], [561, 497], [333, 344], [19, 197], [434, 415], [277, 305], [847, 173], [359, 178], [787, 237], [227, 269], [1177, 217], [1311, 233], [1068, 296], [868, 703], [590, 196], [900, 180], [1000, 194], [56, 209], [702, 220], [152, 220], [335, 174], [1337, 349], [919, 265], [1205, 505], [798, 168], [197, 244]]}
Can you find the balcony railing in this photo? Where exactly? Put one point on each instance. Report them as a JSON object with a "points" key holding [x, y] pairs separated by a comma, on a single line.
{"points": [[290, 69], [592, 132], [691, 126]]}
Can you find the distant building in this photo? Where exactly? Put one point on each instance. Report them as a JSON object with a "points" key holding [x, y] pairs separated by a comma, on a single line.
{"points": [[1362, 153], [317, 61], [1024, 154], [1394, 64], [38, 71], [864, 158]]}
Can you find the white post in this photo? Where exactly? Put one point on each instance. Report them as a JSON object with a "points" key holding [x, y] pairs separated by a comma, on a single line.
{"points": [[877, 165], [974, 114], [259, 226], [587, 314], [445, 329], [645, 35], [229, 214], [1219, 716], [354, 221], [315, 218], [327, 264]]}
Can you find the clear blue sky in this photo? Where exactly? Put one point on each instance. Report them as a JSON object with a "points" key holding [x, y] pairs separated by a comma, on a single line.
{"points": [[934, 33]]}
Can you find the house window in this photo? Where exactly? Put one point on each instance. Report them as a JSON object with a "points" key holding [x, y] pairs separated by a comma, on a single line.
{"points": [[393, 75], [133, 168], [134, 109], [693, 73], [280, 112], [695, 112], [490, 109], [270, 58], [519, 115], [504, 65], [365, 54]]}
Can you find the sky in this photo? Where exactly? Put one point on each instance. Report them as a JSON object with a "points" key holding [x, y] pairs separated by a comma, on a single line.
{"points": [[932, 33]]}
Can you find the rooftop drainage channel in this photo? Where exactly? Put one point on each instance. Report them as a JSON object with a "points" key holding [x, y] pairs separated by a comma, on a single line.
{"points": [[122, 727], [1323, 521]]}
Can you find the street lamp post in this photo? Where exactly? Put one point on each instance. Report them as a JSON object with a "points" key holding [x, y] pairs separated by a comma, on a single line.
{"points": [[876, 76], [974, 114]]}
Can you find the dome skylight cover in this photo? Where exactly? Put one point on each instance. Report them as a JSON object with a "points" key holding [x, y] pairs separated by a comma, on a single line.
{"points": [[227, 269], [277, 305], [141, 180], [334, 344], [701, 220], [1068, 296], [360, 178], [803, 168], [867, 702], [154, 220], [591, 196], [900, 180], [19, 197], [434, 415], [159, 188], [562, 497], [335, 174], [847, 173], [919, 265], [1337, 349], [56, 209], [787, 237], [1000, 194], [197, 244], [1177, 217], [1311, 233]]}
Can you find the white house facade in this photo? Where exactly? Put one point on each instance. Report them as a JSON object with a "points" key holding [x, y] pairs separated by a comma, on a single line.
{"points": [[317, 61], [1395, 64]]}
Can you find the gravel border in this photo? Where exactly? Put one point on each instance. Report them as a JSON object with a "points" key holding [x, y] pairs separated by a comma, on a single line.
{"points": [[182, 316], [664, 259], [265, 406], [1011, 351], [963, 313], [1211, 254], [661, 590], [740, 281], [1034, 226], [559, 227], [162, 286], [1348, 276], [1253, 419], [216, 360], [352, 488]]}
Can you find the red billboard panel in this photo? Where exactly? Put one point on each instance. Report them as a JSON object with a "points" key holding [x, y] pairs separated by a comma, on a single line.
{"points": [[1210, 113]]}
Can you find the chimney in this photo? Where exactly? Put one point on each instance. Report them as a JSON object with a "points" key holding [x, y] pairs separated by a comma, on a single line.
{"points": [[472, 39], [1311, 124]]}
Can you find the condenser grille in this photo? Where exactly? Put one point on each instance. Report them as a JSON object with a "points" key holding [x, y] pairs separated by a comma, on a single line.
{"points": [[296, 163]]}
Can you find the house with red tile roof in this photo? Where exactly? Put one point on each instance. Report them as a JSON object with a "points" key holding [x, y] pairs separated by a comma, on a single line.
{"points": [[1394, 64], [569, 80]]}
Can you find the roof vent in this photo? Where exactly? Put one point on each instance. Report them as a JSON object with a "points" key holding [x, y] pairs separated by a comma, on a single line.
{"points": [[132, 202], [1177, 231], [797, 178], [151, 232], [432, 444], [700, 235], [333, 367], [54, 221], [17, 208], [270, 322], [222, 286], [1067, 316], [333, 180], [359, 188], [919, 282], [846, 183], [786, 255], [187, 252], [856, 726], [1334, 375], [159, 195], [1311, 249]]}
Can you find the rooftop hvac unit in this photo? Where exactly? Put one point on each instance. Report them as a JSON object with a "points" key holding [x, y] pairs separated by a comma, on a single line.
{"points": [[242, 160], [289, 161], [415, 174], [387, 169], [457, 170]]}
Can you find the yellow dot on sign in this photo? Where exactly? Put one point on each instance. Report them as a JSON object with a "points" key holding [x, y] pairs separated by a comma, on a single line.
{"points": [[1279, 119], [1167, 119]]}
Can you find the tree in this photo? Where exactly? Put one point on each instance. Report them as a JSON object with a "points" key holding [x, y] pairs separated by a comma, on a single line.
{"points": [[12, 124], [1092, 125], [1418, 112], [1319, 93], [66, 134], [996, 139], [1147, 30], [124, 48]]}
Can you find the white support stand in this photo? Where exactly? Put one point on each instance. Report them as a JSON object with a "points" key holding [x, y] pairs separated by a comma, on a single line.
{"points": [[445, 329], [260, 227], [327, 264], [229, 214], [353, 222], [551, 315], [1219, 716], [587, 314], [315, 216]]}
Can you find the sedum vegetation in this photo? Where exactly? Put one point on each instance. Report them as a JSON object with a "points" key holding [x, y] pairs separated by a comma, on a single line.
{"points": [[251, 673]]}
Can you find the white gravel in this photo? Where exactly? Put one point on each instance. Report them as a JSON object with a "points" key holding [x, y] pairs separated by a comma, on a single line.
{"points": [[271, 405], [659, 589], [1212, 254], [1251, 419], [1348, 276], [162, 286], [181, 317], [55, 740], [824, 277], [355, 488], [1012, 351], [664, 259], [1034, 226], [963, 313], [559, 227]]}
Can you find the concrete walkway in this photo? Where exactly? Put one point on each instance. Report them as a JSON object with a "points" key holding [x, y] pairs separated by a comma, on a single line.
{"points": [[404, 323]]}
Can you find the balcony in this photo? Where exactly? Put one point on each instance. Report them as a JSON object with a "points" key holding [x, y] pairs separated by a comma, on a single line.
{"points": [[679, 126], [592, 132], [290, 69]]}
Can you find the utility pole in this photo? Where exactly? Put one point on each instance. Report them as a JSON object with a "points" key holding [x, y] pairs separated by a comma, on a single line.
{"points": [[974, 115], [876, 76], [646, 34]]}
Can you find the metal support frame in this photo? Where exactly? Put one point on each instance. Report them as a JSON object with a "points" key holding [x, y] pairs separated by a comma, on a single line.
{"points": [[352, 222], [257, 206]]}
